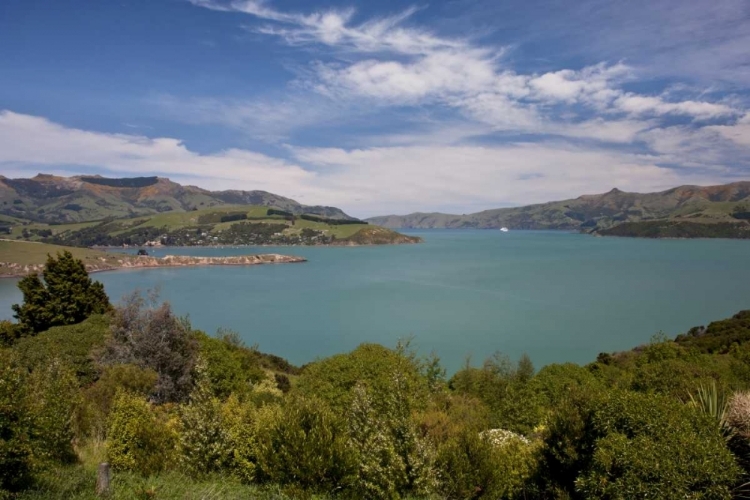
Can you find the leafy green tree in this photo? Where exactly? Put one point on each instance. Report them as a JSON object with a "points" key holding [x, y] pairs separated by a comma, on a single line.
{"points": [[64, 295], [473, 467], [230, 367]]}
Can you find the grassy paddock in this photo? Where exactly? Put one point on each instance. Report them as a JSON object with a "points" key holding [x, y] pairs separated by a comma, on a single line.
{"points": [[30, 253]]}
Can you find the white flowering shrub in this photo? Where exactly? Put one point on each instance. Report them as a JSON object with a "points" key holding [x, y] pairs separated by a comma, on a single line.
{"points": [[381, 472], [502, 437], [204, 442]]}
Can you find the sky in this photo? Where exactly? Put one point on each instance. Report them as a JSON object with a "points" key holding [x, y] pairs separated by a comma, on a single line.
{"points": [[385, 107]]}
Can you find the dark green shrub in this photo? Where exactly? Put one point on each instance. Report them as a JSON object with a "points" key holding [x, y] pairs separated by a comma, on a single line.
{"points": [[230, 368], [52, 399], [506, 389], [16, 461], [630, 445], [719, 336], [276, 211], [65, 296], [471, 466], [304, 443], [71, 344], [233, 217], [98, 398], [9, 333], [139, 439], [333, 379], [555, 383]]}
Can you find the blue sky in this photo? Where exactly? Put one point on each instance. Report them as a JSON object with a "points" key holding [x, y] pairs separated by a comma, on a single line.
{"points": [[380, 107]]}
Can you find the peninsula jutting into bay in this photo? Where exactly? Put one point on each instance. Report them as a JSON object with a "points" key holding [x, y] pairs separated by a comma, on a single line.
{"points": [[21, 258]]}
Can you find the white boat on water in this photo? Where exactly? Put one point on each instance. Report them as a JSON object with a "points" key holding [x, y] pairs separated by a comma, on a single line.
{"points": [[504, 229]]}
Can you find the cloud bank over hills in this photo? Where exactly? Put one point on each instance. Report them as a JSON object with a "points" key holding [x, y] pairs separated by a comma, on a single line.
{"points": [[394, 112]]}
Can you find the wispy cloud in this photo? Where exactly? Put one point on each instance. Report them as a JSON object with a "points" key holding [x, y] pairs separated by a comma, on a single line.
{"points": [[390, 62]]}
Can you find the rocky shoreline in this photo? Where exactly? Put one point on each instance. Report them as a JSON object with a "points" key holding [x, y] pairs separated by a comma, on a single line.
{"points": [[15, 270]]}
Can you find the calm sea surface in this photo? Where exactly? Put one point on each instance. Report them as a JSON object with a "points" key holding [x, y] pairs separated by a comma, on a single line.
{"points": [[556, 296]]}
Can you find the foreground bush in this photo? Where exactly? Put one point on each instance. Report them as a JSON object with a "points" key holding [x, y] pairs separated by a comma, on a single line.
{"points": [[98, 398], [204, 441], [473, 466], [72, 344], [153, 337], [138, 440], [303, 443], [629, 445], [380, 471], [332, 379], [52, 400], [15, 439]]}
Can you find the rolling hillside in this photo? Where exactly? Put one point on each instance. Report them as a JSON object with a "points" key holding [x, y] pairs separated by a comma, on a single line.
{"points": [[52, 199], [225, 225], [685, 211]]}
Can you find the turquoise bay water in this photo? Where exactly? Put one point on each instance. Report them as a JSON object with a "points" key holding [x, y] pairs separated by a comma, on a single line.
{"points": [[556, 296]]}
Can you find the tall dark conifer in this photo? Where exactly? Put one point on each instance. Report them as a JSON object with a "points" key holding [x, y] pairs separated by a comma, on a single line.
{"points": [[64, 295]]}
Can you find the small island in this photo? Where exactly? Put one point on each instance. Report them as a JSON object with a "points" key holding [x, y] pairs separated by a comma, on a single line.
{"points": [[19, 258]]}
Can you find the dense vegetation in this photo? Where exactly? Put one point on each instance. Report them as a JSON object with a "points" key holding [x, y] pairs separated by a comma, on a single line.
{"points": [[115, 233], [679, 229], [127, 182], [334, 222], [182, 414]]}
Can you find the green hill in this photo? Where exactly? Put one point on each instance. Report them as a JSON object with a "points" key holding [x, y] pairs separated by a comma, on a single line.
{"points": [[52, 199], [685, 211], [226, 225]]}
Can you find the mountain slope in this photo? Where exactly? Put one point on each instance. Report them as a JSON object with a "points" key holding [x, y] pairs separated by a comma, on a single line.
{"points": [[218, 226], [52, 199], [690, 205]]}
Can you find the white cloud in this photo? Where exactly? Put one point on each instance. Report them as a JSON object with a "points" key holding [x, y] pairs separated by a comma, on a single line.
{"points": [[640, 105], [425, 178], [592, 84], [390, 62], [365, 181], [739, 132], [36, 143]]}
